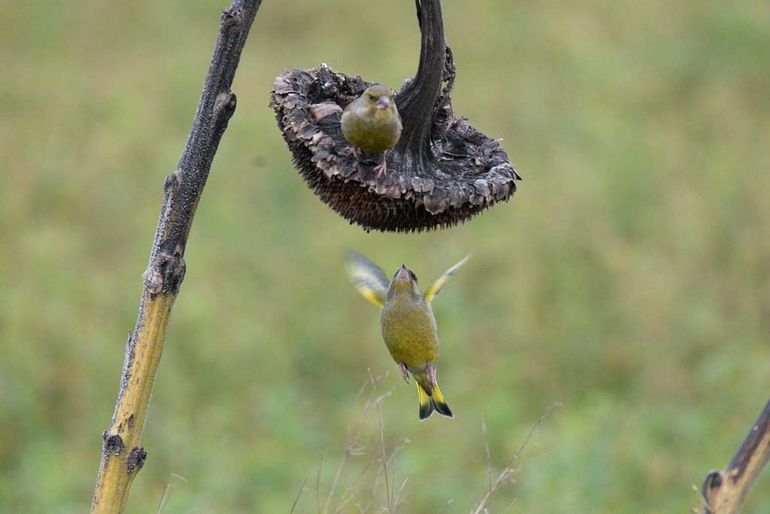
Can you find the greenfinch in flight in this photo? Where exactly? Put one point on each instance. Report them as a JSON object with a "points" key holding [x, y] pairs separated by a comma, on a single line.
{"points": [[407, 322], [371, 123]]}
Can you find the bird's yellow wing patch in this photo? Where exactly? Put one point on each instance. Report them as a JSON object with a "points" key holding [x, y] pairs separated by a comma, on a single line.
{"points": [[434, 289], [368, 278]]}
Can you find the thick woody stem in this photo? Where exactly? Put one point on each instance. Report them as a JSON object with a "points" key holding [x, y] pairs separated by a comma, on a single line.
{"points": [[416, 102], [122, 452], [726, 490]]}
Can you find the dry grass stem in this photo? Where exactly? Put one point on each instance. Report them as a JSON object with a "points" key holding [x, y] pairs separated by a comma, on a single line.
{"points": [[509, 470]]}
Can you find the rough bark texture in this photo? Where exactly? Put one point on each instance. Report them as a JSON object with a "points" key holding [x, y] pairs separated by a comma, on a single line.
{"points": [[442, 171], [122, 453], [726, 490]]}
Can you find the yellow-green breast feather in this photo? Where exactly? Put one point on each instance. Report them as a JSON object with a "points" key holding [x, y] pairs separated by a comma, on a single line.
{"points": [[409, 332], [371, 122]]}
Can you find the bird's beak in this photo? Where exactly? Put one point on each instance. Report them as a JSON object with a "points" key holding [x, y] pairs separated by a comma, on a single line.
{"points": [[383, 102], [403, 273]]}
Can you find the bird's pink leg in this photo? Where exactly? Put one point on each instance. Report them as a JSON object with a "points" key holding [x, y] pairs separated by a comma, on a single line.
{"points": [[404, 371], [432, 374], [382, 168]]}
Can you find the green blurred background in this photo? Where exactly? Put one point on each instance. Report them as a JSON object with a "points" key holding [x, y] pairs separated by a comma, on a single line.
{"points": [[627, 279]]}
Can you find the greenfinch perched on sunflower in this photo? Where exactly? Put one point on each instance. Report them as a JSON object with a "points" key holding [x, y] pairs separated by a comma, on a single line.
{"points": [[371, 123], [407, 322]]}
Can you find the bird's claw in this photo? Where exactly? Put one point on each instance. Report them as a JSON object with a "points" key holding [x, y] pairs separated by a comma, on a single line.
{"points": [[404, 371], [382, 168]]}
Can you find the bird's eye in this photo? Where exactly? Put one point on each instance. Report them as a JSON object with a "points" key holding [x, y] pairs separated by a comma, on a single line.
{"points": [[372, 98], [414, 277]]}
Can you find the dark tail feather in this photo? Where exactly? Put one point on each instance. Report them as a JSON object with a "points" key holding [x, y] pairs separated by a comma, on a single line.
{"points": [[426, 403], [433, 402], [439, 404]]}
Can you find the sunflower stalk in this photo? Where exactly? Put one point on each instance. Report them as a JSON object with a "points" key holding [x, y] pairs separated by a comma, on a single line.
{"points": [[726, 490], [122, 452]]}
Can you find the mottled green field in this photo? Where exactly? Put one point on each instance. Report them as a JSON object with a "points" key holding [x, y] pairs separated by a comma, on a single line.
{"points": [[628, 279]]}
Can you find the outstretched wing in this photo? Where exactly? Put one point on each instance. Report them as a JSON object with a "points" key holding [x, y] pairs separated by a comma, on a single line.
{"points": [[367, 278], [433, 290]]}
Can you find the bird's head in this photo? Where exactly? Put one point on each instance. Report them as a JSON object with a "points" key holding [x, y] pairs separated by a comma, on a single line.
{"points": [[379, 97], [404, 283]]}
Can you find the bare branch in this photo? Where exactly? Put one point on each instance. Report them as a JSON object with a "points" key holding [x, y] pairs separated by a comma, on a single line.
{"points": [[122, 453], [726, 490]]}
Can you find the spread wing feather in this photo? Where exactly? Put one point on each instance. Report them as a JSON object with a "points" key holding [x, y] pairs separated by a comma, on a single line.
{"points": [[434, 289], [368, 278]]}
